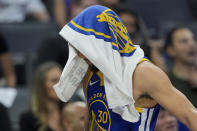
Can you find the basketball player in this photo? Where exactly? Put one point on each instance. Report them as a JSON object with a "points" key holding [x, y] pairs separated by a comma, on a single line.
{"points": [[150, 85]]}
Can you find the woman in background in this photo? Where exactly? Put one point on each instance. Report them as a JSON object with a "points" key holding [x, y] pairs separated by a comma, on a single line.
{"points": [[44, 113]]}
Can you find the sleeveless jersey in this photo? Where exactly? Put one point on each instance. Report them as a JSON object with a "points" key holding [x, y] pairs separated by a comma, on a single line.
{"points": [[101, 118]]}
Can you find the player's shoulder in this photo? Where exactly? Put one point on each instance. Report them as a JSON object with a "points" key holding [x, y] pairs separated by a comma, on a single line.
{"points": [[147, 74], [147, 68]]}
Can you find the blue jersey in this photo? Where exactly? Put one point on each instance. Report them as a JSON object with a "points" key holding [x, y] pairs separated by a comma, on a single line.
{"points": [[101, 118]]}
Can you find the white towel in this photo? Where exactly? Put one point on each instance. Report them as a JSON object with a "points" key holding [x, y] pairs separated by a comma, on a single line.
{"points": [[99, 34], [72, 74]]}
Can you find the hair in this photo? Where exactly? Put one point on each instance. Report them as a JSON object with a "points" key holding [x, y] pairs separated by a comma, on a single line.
{"points": [[169, 36], [39, 95]]}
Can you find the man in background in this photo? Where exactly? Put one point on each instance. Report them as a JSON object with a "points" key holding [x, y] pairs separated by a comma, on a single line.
{"points": [[74, 116], [181, 47], [166, 121]]}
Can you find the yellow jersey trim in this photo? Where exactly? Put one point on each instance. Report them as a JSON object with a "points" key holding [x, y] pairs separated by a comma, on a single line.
{"points": [[86, 85], [90, 30], [100, 75], [107, 112], [143, 59], [139, 109]]}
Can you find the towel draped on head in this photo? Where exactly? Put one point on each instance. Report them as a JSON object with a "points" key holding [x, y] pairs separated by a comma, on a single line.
{"points": [[99, 34]]}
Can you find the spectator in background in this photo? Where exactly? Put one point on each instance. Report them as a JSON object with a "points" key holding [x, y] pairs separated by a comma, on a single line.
{"points": [[166, 121], [55, 49], [112, 4], [6, 65], [45, 108], [75, 116], [76, 7], [90, 2], [139, 36], [57, 11], [181, 47], [17, 10], [52, 49], [56, 44], [136, 29]]}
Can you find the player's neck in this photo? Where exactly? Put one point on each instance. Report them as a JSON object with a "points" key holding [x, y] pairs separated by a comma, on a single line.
{"points": [[183, 71]]}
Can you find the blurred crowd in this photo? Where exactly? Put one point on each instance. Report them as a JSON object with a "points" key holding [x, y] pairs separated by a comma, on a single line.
{"points": [[32, 56]]}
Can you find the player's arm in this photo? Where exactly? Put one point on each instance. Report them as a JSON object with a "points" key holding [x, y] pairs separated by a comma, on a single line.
{"points": [[155, 82], [8, 69]]}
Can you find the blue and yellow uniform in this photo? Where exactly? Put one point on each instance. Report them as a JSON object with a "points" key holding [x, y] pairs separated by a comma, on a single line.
{"points": [[104, 24], [101, 118]]}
